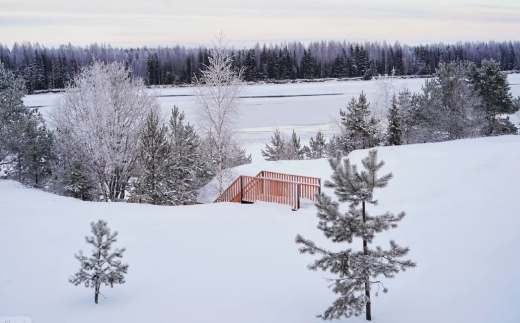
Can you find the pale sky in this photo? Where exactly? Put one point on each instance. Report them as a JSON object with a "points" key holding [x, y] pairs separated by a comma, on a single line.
{"points": [[132, 23]]}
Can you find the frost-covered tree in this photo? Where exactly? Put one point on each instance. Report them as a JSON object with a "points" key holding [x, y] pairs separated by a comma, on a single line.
{"points": [[494, 89], [103, 112], [317, 147], [153, 171], [25, 141], [408, 117], [447, 107], [185, 159], [357, 271], [216, 97], [394, 125], [360, 129], [103, 266], [293, 148], [277, 149]]}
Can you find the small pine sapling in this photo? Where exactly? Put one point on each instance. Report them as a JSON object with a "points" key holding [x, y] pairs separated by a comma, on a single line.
{"points": [[277, 150], [317, 147], [357, 270], [102, 267]]}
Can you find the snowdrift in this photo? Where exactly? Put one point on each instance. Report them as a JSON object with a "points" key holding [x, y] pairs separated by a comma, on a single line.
{"points": [[238, 263]]}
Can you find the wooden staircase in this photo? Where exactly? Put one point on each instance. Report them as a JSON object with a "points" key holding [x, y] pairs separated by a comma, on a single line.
{"points": [[272, 187]]}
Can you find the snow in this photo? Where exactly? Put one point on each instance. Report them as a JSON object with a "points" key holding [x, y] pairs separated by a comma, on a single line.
{"points": [[304, 107], [229, 263]]}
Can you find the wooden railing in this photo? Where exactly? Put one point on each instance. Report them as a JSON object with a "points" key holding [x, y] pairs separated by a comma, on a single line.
{"points": [[272, 187], [290, 177]]}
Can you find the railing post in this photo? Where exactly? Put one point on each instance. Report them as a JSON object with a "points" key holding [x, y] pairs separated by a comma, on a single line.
{"points": [[298, 188], [241, 189]]}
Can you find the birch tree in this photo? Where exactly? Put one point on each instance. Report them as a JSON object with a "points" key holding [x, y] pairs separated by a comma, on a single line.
{"points": [[216, 96], [103, 113]]}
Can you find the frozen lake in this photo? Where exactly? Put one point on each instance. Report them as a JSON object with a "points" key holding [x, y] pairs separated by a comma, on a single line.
{"points": [[305, 107]]}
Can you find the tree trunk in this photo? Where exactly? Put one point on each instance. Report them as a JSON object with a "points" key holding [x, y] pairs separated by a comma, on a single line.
{"points": [[368, 309], [96, 294]]}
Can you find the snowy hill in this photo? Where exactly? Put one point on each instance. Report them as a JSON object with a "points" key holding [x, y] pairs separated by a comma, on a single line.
{"points": [[239, 263]]}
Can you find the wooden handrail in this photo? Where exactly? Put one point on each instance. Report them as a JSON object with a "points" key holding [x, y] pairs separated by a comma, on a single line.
{"points": [[287, 190]]}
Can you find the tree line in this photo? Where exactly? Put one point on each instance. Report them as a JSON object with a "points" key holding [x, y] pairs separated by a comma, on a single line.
{"points": [[45, 68], [109, 139], [463, 100]]}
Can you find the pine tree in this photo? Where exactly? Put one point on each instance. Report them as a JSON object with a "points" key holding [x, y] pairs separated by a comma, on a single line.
{"points": [[360, 130], [277, 150], [152, 182], [294, 149], [12, 111], [185, 164], [394, 125], [357, 270], [25, 141], [494, 89], [34, 155], [102, 267], [317, 147]]}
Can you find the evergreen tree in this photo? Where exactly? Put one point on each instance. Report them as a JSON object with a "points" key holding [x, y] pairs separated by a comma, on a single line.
{"points": [[185, 161], [251, 71], [152, 69], [264, 64], [494, 89], [308, 68], [102, 267], [12, 111], [360, 129], [394, 125], [152, 183], [278, 149], [294, 149], [340, 68], [25, 141], [317, 147], [357, 270], [287, 66], [32, 159]]}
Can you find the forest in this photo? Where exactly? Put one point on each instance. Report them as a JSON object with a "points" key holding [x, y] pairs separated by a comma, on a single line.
{"points": [[47, 68]]}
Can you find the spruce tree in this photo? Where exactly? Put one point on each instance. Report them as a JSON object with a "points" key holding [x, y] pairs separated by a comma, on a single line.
{"points": [[357, 271], [394, 125], [102, 267], [251, 70], [277, 150], [307, 65]]}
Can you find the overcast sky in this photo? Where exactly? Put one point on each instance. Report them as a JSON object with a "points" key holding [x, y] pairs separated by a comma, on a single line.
{"points": [[131, 23]]}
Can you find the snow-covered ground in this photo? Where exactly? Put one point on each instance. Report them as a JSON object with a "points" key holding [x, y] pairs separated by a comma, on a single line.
{"points": [[239, 263], [304, 107]]}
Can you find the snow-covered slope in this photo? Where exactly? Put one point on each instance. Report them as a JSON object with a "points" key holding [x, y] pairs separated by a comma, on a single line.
{"points": [[239, 263]]}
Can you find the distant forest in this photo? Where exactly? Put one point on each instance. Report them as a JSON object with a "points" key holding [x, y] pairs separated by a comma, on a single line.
{"points": [[45, 68]]}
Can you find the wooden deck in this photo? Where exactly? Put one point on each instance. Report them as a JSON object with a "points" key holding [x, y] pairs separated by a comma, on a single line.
{"points": [[272, 187]]}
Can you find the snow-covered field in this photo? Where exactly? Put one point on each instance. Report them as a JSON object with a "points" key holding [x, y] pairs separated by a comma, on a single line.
{"points": [[304, 107], [239, 263]]}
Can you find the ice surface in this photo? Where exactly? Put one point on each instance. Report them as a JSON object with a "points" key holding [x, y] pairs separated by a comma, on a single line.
{"points": [[238, 263]]}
